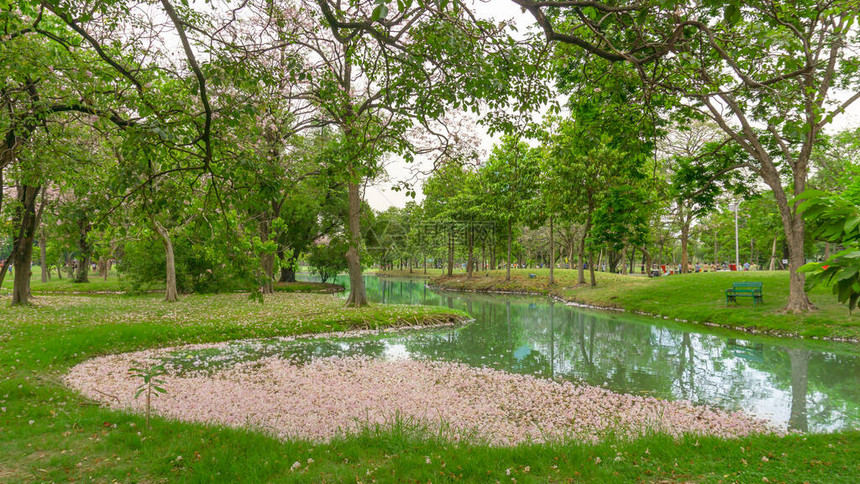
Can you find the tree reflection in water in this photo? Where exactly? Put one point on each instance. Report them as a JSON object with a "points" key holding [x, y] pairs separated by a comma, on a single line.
{"points": [[794, 386]]}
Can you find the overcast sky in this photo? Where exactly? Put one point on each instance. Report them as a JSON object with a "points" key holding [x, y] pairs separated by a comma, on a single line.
{"points": [[379, 194]]}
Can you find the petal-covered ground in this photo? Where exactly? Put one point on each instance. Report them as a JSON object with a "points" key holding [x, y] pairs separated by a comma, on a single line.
{"points": [[331, 396]]}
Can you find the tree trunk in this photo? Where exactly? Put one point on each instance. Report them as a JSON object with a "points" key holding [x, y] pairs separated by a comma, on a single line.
{"points": [[798, 301], [570, 249], [357, 292], [288, 272], [102, 265], [591, 268], [685, 240], [170, 293], [84, 251], [793, 226], [581, 270], [648, 261], [623, 259], [716, 257], [508, 273], [451, 252], [551, 253], [43, 256], [773, 254], [22, 244], [267, 261], [470, 266]]}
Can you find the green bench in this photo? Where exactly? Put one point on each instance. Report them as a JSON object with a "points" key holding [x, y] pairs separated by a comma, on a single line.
{"points": [[744, 289]]}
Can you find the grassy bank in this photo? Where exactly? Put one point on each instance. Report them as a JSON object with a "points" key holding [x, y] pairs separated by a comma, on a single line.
{"points": [[49, 433], [417, 273], [692, 297], [302, 286]]}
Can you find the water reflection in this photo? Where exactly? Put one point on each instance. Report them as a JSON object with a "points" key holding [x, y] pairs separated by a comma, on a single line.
{"points": [[794, 386]]}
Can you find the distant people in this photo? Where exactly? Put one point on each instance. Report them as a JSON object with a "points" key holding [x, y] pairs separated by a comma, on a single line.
{"points": [[746, 266]]}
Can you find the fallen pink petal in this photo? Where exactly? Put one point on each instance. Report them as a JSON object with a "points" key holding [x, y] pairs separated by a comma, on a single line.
{"points": [[334, 396]]}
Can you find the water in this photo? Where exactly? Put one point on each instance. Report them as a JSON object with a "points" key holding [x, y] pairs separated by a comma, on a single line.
{"points": [[791, 383]]}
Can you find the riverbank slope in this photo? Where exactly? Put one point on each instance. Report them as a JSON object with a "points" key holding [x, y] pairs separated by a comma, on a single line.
{"points": [[689, 297]]}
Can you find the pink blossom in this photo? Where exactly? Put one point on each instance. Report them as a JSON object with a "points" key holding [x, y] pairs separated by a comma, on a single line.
{"points": [[333, 396]]}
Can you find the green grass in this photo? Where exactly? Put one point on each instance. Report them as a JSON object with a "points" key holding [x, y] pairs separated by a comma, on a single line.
{"points": [[113, 284], [302, 286], [49, 433], [117, 284], [693, 297], [417, 273]]}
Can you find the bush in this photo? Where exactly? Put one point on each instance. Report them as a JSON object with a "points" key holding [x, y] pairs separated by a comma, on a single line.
{"points": [[328, 260], [199, 268]]}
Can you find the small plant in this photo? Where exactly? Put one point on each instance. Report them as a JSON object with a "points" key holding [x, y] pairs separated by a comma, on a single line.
{"points": [[151, 381]]}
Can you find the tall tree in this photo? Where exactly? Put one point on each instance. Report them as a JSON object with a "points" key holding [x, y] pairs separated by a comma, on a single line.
{"points": [[510, 178], [768, 75]]}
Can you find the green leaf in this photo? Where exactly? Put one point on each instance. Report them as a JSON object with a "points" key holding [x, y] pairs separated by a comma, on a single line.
{"points": [[732, 14], [379, 12], [810, 267]]}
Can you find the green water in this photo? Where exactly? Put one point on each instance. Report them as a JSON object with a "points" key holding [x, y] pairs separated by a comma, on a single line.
{"points": [[791, 383]]}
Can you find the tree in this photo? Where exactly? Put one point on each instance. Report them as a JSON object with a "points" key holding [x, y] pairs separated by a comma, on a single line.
{"points": [[327, 260], [403, 71], [46, 88], [509, 179], [765, 74], [702, 169], [447, 198]]}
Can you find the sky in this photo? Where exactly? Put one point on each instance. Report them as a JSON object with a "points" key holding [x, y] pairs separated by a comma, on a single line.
{"points": [[379, 194]]}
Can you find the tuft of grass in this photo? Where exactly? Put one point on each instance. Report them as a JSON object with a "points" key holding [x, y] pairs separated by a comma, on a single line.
{"points": [[696, 297]]}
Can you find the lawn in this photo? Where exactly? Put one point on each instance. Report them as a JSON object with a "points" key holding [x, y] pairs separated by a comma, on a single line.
{"points": [[304, 286], [113, 284], [692, 297], [417, 273], [50, 433]]}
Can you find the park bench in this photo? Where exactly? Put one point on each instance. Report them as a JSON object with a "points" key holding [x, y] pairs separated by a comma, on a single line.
{"points": [[744, 289]]}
